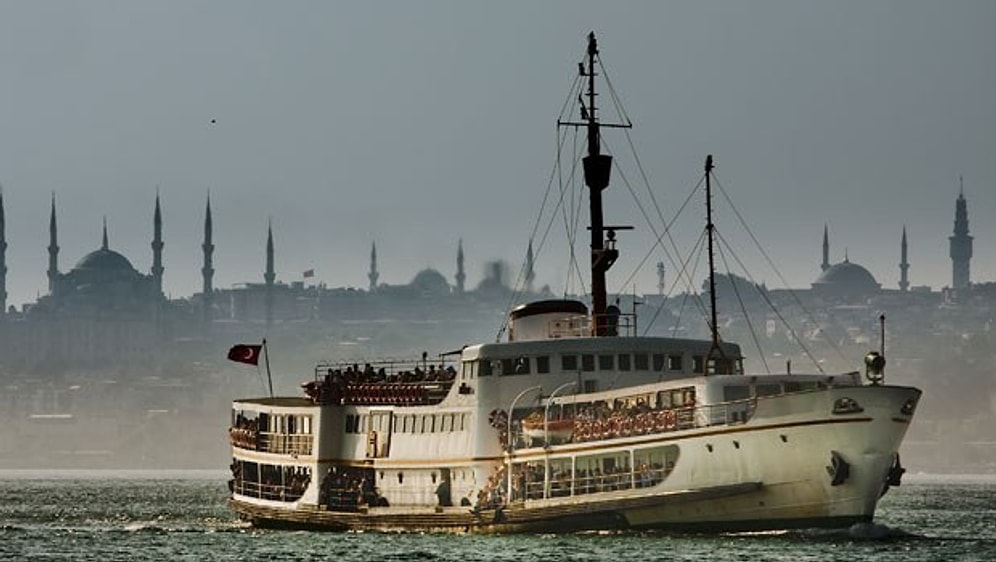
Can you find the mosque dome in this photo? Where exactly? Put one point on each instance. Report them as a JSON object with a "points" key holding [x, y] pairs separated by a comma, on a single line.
{"points": [[430, 282], [846, 278], [106, 261]]}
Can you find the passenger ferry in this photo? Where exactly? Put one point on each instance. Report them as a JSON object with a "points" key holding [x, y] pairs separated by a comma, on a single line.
{"points": [[574, 422]]}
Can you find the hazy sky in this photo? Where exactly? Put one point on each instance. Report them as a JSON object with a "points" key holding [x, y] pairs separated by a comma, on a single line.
{"points": [[414, 124]]}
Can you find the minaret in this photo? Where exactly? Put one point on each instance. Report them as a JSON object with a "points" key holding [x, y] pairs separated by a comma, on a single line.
{"points": [[461, 277], [960, 243], [661, 286], [904, 265], [53, 250], [103, 240], [530, 272], [157, 249], [3, 258], [207, 272], [269, 276], [373, 276], [826, 249]]}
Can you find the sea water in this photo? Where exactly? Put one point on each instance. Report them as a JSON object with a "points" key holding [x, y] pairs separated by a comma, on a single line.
{"points": [[109, 516]]}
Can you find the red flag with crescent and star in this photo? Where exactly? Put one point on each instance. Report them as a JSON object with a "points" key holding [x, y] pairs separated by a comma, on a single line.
{"points": [[245, 353]]}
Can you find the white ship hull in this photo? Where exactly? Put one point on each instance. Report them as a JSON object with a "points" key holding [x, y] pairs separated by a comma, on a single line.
{"points": [[771, 472]]}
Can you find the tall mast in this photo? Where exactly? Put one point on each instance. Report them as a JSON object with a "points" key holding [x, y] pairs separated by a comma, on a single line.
{"points": [[716, 356], [597, 167]]}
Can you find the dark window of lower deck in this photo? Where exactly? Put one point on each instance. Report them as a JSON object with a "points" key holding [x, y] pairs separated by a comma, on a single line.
{"points": [[698, 364], [587, 362], [569, 363], [641, 362], [624, 362], [674, 362], [542, 364], [735, 392], [658, 362], [768, 389], [515, 366], [606, 362]]}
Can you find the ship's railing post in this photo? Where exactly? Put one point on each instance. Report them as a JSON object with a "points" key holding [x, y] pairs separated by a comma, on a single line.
{"points": [[510, 434]]}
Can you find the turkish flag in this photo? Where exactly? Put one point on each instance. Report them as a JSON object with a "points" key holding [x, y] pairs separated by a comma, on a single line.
{"points": [[244, 353]]}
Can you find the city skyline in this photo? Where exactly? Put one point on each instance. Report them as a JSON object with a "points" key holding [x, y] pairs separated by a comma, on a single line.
{"points": [[59, 266], [415, 127]]}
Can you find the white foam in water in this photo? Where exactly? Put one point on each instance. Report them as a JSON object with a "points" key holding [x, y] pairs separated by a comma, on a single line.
{"points": [[872, 531]]}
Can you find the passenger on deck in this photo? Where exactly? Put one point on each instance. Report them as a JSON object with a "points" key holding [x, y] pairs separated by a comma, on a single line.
{"points": [[443, 494]]}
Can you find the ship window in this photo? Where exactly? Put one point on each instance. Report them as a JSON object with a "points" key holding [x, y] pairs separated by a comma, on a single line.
{"points": [[769, 389], [396, 424], [590, 385], [542, 364], [640, 362], [658, 362], [446, 423], [698, 364], [624, 363], [486, 370], [735, 392], [674, 363], [569, 362], [587, 362], [521, 366], [467, 370], [463, 422], [793, 386], [401, 478], [606, 362]]}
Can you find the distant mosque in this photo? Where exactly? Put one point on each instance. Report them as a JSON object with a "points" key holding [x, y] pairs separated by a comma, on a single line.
{"points": [[844, 280], [849, 281], [103, 284]]}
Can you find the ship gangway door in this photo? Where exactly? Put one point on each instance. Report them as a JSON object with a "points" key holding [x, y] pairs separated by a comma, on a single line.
{"points": [[379, 434]]}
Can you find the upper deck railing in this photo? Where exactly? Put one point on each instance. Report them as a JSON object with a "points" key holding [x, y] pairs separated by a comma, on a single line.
{"points": [[252, 439], [599, 426], [581, 326]]}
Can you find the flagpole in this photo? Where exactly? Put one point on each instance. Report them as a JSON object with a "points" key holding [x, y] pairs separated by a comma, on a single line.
{"points": [[266, 355]]}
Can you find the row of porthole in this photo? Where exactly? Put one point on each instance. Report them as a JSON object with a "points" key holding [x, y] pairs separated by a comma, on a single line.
{"points": [[736, 444], [434, 475]]}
